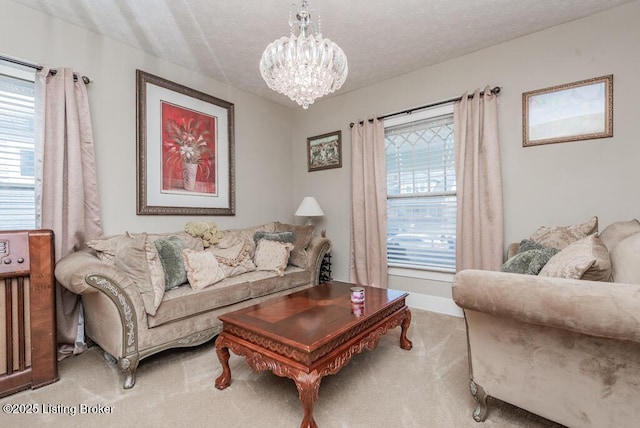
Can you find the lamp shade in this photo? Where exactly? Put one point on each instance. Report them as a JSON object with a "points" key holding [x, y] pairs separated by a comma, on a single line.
{"points": [[309, 207]]}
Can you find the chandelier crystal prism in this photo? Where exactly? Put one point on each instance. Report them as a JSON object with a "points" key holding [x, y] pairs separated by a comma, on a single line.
{"points": [[304, 66]]}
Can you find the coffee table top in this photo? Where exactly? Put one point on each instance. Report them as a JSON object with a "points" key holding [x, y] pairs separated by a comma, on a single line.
{"points": [[308, 319]]}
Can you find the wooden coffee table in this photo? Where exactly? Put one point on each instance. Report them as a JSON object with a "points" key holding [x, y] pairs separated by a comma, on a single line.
{"points": [[310, 334]]}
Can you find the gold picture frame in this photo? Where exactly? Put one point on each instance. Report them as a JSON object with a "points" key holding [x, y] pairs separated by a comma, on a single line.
{"points": [[324, 151], [575, 111]]}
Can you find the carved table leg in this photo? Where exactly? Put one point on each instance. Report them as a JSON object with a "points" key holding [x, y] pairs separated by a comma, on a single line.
{"points": [[480, 412], [404, 342], [224, 379], [308, 385]]}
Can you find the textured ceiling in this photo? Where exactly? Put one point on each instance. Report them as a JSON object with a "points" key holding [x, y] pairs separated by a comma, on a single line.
{"points": [[224, 39]]}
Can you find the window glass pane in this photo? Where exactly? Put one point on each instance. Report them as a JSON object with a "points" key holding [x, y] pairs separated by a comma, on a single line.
{"points": [[421, 191], [17, 195]]}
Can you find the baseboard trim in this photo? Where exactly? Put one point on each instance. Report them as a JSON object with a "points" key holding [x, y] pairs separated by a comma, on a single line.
{"points": [[441, 305]]}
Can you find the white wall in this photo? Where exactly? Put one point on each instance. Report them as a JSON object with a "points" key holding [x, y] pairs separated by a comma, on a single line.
{"points": [[553, 184], [263, 137]]}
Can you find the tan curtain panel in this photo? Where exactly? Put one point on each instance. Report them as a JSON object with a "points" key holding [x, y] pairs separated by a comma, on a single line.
{"points": [[369, 204], [67, 189], [479, 228]]}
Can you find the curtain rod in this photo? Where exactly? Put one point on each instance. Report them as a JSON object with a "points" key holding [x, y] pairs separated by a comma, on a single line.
{"points": [[495, 90], [38, 67]]}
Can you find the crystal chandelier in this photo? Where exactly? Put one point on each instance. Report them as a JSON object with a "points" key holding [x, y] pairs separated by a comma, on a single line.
{"points": [[303, 66]]}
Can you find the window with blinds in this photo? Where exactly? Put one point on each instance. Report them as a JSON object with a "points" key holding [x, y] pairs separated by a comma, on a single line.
{"points": [[17, 194], [421, 190]]}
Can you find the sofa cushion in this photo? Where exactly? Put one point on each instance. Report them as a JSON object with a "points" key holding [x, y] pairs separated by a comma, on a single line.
{"points": [[202, 268], [129, 257], [530, 258], [106, 247], [624, 260], [303, 236], [561, 236], [272, 255], [156, 271], [294, 276], [586, 258], [184, 302], [170, 254], [618, 231]]}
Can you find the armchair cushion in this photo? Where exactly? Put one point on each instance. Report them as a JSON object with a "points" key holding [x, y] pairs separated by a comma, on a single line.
{"points": [[561, 236], [618, 231], [530, 258], [624, 260], [586, 258]]}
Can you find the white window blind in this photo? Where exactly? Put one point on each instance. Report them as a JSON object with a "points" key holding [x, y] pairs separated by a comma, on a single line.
{"points": [[17, 195], [421, 191]]}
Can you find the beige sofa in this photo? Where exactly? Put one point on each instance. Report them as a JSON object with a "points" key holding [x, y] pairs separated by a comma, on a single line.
{"points": [[567, 349], [129, 313]]}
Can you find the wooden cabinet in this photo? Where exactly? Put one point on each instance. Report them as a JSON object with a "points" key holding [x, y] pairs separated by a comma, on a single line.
{"points": [[27, 311]]}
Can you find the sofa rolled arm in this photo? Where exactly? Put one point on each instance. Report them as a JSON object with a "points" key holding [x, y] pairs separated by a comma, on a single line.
{"points": [[602, 309], [318, 247], [71, 271]]}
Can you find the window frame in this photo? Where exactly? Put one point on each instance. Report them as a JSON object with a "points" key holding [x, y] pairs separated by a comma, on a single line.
{"points": [[415, 271], [28, 75]]}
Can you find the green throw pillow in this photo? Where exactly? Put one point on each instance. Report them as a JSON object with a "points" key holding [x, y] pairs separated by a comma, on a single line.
{"points": [[170, 253], [530, 259], [528, 244], [277, 236]]}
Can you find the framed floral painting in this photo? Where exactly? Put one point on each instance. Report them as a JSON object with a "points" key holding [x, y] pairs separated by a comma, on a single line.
{"points": [[185, 150], [324, 151]]}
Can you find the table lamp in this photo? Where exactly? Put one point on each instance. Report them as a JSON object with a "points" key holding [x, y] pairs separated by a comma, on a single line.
{"points": [[309, 207]]}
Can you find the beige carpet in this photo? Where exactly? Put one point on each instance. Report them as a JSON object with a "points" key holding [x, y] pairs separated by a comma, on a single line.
{"points": [[389, 387]]}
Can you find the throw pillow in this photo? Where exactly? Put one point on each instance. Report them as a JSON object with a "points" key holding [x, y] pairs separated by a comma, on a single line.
{"points": [[274, 236], [202, 268], [586, 259], [561, 236], [616, 232], [624, 260], [129, 257], [156, 270], [530, 259], [246, 265], [245, 235], [273, 255], [303, 236], [231, 256], [170, 253]]}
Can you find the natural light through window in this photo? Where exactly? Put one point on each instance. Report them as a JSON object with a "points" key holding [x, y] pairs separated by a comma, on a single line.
{"points": [[421, 190], [17, 195]]}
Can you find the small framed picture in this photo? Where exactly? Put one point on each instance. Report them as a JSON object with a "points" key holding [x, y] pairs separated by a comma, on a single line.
{"points": [[571, 112], [324, 151]]}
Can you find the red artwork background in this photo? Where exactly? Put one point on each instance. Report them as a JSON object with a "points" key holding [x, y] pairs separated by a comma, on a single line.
{"points": [[188, 126]]}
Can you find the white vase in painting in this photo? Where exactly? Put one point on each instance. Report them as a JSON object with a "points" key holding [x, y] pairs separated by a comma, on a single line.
{"points": [[189, 171]]}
